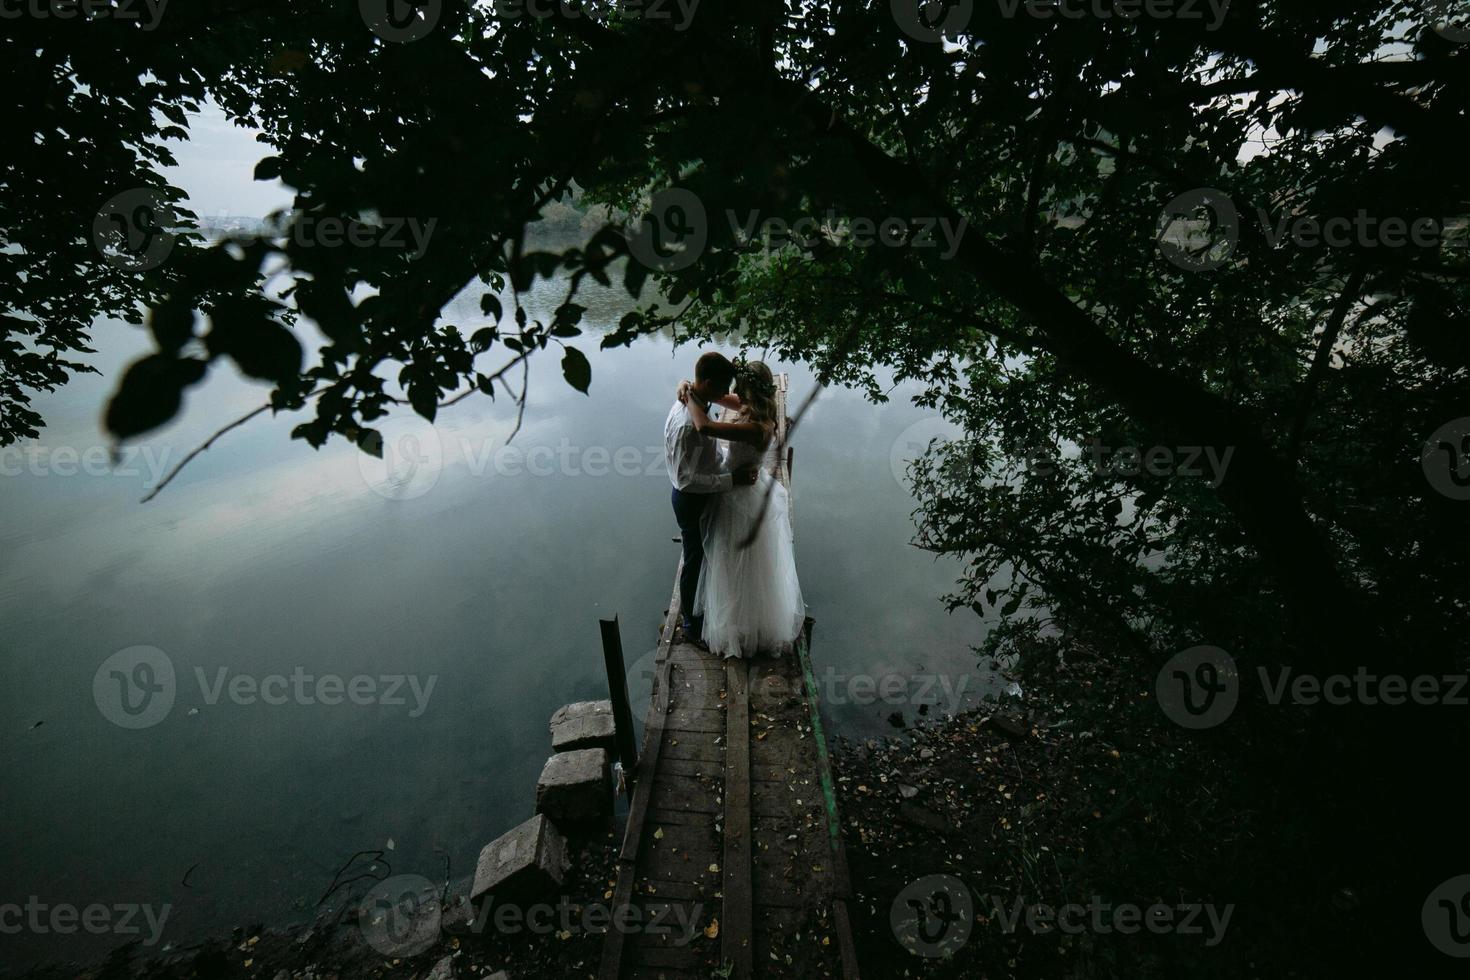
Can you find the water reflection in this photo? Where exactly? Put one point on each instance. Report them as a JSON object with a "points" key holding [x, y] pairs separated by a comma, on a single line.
{"points": [[482, 566]]}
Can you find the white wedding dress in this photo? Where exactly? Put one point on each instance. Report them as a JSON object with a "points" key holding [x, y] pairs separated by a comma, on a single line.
{"points": [[749, 597]]}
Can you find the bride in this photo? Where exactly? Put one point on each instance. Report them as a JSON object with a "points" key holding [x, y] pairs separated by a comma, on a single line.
{"points": [[748, 592]]}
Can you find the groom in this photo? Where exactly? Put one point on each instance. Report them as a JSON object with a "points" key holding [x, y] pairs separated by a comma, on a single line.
{"points": [[696, 470]]}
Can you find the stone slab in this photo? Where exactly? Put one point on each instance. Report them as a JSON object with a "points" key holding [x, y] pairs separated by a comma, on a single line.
{"points": [[575, 787], [529, 861], [583, 725]]}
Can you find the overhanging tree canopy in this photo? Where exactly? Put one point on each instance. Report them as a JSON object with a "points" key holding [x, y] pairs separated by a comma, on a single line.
{"points": [[1053, 142]]}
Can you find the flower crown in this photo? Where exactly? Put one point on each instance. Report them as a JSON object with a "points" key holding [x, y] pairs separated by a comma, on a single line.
{"points": [[747, 376]]}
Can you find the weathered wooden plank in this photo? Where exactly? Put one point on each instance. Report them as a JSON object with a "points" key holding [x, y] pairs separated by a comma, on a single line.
{"points": [[671, 794], [695, 746], [611, 965], [674, 957], [735, 936], [676, 891], [637, 971], [697, 768], [700, 835], [689, 719], [664, 818]]}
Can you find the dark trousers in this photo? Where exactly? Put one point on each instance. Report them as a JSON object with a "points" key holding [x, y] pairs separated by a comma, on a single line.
{"points": [[687, 510]]}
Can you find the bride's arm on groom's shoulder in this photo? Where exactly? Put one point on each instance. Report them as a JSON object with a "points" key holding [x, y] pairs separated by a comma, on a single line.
{"points": [[730, 400], [738, 431]]}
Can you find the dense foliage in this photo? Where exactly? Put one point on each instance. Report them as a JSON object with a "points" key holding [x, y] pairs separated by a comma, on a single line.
{"points": [[987, 210]]}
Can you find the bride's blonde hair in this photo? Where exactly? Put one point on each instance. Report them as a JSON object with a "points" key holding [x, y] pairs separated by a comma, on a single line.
{"points": [[757, 390]]}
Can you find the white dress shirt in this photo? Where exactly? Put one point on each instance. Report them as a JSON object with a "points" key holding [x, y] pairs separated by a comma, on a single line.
{"points": [[695, 462]]}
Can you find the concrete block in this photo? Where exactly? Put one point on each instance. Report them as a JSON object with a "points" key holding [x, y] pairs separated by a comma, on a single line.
{"points": [[527, 863], [575, 787], [583, 725]]}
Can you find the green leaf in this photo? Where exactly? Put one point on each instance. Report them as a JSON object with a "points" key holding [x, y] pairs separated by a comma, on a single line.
{"points": [[577, 369], [172, 323], [268, 168], [150, 393], [634, 278], [481, 339], [425, 400], [259, 345], [314, 432], [490, 304], [370, 441]]}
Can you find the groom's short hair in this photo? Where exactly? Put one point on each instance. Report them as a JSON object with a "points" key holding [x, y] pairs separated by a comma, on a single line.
{"points": [[714, 366]]}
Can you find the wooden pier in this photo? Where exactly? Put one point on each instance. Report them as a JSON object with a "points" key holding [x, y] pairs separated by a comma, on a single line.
{"points": [[733, 817]]}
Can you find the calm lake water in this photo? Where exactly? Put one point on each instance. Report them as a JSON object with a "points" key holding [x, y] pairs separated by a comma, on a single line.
{"points": [[470, 578]]}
